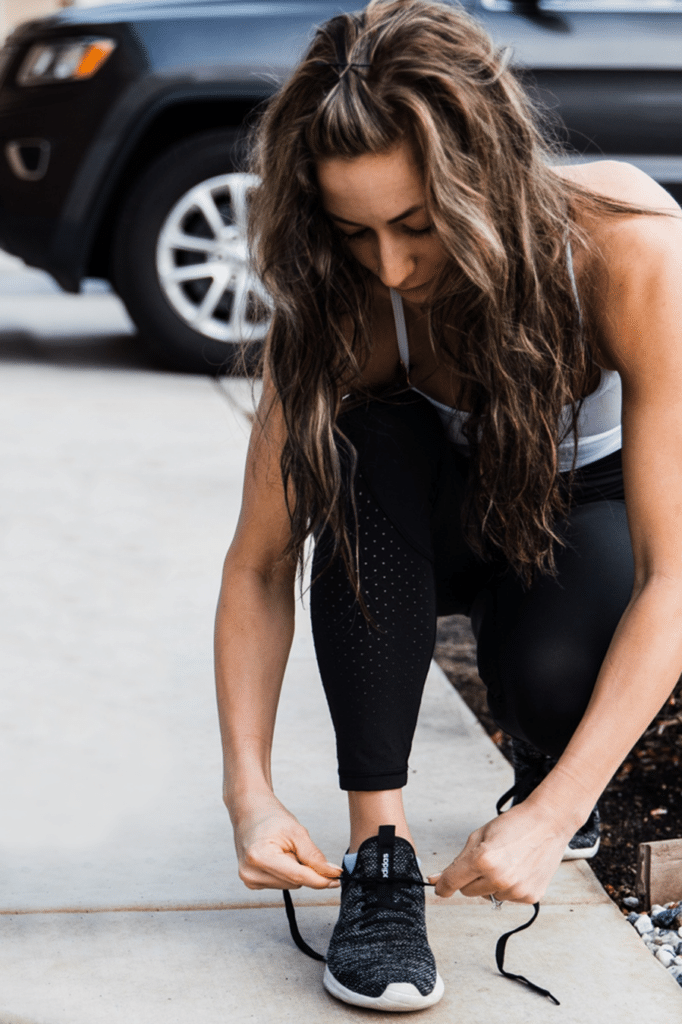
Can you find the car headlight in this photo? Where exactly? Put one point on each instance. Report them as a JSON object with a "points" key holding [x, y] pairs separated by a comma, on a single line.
{"points": [[64, 60]]}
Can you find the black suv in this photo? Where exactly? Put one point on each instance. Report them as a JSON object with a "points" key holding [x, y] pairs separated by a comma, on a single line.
{"points": [[122, 128]]}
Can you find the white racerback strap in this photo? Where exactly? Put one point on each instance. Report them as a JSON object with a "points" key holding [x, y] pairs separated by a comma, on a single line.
{"points": [[400, 328], [399, 311], [571, 274]]}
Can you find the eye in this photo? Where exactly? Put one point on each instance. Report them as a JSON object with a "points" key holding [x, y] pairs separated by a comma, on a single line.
{"points": [[404, 227]]}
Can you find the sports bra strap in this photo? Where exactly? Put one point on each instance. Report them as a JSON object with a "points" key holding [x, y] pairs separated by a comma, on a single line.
{"points": [[571, 274], [400, 328], [399, 311]]}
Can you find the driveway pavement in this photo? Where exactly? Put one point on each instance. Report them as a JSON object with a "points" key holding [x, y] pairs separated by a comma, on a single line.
{"points": [[120, 900]]}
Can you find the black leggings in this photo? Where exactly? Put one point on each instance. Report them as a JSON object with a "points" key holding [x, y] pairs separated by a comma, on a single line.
{"points": [[540, 648]]}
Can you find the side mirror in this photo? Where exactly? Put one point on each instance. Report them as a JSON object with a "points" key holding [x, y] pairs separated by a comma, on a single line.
{"points": [[550, 20]]}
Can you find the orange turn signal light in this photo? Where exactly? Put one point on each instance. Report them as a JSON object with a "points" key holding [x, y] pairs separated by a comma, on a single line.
{"points": [[94, 57]]}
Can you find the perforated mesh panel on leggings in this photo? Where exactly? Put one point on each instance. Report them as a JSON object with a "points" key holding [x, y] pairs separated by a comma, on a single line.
{"points": [[374, 678], [539, 648]]}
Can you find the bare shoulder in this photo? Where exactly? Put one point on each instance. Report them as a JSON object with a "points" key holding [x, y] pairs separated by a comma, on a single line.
{"points": [[631, 246], [620, 182], [638, 266], [634, 272]]}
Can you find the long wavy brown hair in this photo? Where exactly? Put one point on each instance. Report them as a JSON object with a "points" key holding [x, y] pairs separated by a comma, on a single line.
{"points": [[429, 74]]}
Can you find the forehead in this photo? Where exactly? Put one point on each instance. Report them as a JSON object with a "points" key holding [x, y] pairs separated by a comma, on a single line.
{"points": [[372, 187]]}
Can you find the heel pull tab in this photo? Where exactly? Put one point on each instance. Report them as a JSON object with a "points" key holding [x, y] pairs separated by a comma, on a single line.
{"points": [[387, 835]]}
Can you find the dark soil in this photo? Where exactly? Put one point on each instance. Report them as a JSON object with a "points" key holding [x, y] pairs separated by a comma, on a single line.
{"points": [[643, 801]]}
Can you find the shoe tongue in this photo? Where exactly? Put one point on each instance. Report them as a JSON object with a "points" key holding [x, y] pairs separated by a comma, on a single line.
{"points": [[386, 851]]}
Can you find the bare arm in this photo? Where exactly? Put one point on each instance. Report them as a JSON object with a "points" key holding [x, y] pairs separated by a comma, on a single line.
{"points": [[643, 335], [515, 856], [254, 631]]}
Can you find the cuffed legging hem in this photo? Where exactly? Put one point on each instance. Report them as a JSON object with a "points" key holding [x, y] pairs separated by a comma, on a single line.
{"points": [[371, 783]]}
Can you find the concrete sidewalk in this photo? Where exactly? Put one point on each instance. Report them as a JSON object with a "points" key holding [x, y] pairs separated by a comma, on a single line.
{"points": [[120, 899]]}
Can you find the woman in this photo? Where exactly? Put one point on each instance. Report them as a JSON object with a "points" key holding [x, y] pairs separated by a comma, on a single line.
{"points": [[453, 321]]}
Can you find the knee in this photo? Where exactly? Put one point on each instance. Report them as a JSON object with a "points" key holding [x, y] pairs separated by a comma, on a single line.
{"points": [[546, 688]]}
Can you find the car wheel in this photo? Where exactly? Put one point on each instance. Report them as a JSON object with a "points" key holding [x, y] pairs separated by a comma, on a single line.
{"points": [[180, 259]]}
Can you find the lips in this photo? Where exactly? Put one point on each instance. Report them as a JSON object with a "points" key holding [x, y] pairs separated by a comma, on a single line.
{"points": [[415, 288]]}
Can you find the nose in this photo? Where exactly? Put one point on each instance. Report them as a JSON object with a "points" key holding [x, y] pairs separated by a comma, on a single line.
{"points": [[395, 265]]}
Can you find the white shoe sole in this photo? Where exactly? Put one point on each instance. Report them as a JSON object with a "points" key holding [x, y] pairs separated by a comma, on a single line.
{"points": [[398, 997], [586, 853]]}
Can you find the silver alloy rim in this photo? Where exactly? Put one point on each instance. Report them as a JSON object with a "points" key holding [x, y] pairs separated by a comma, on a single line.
{"points": [[202, 262]]}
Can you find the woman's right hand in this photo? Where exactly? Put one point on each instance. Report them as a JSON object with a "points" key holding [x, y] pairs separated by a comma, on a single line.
{"points": [[276, 852]]}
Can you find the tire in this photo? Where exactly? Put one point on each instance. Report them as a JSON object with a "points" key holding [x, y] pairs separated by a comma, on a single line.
{"points": [[179, 258]]}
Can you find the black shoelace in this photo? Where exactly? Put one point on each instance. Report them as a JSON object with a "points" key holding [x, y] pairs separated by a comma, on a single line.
{"points": [[499, 949]]}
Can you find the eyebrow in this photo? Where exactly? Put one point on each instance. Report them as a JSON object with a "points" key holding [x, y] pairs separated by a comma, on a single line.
{"points": [[393, 220]]}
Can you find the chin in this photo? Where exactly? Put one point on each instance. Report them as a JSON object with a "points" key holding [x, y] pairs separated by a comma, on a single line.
{"points": [[417, 294]]}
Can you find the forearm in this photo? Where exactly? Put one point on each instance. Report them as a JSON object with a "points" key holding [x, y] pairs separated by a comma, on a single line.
{"points": [[640, 670], [254, 631]]}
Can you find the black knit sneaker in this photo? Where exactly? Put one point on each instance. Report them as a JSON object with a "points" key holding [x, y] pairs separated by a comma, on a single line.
{"points": [[530, 768], [379, 955], [585, 843]]}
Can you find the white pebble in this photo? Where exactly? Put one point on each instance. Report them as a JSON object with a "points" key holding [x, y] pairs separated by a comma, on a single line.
{"points": [[656, 909], [643, 924], [678, 961], [664, 956]]}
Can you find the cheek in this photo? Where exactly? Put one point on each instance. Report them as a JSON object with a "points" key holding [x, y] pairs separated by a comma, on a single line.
{"points": [[435, 253], [362, 251]]}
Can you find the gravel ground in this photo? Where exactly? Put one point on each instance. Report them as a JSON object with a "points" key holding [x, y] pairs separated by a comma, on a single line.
{"points": [[643, 801]]}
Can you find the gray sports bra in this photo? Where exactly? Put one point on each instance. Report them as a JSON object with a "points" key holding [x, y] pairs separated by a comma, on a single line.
{"points": [[599, 428]]}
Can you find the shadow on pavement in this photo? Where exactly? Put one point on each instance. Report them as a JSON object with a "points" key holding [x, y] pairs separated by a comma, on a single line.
{"points": [[116, 351]]}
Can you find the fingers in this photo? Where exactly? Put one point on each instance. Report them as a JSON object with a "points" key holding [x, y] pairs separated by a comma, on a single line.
{"points": [[288, 863], [455, 876], [280, 870], [460, 873], [511, 856], [472, 872], [449, 881], [309, 855], [468, 876], [284, 872]]}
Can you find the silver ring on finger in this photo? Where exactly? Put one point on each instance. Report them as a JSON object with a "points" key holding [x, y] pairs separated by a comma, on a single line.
{"points": [[496, 903]]}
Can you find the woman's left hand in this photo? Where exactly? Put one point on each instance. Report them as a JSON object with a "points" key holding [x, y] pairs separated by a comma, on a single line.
{"points": [[513, 856]]}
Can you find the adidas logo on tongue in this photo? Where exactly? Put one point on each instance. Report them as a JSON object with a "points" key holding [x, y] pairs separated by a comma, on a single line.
{"points": [[384, 865]]}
